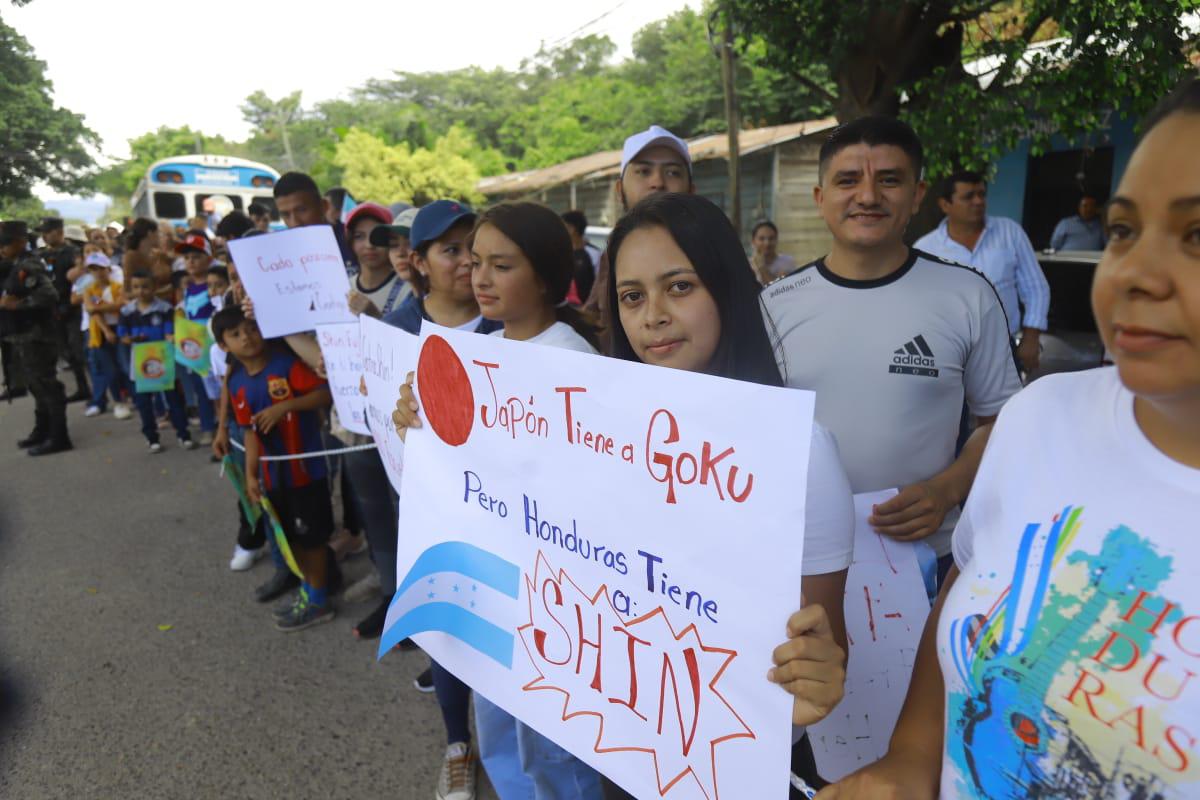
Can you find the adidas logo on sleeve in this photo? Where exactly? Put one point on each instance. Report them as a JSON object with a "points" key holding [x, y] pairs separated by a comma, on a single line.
{"points": [[914, 358]]}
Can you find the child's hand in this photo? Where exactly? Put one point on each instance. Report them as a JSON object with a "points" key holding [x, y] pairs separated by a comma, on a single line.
{"points": [[269, 417], [361, 304], [810, 666], [127, 339], [253, 490], [405, 415], [110, 337], [320, 370], [362, 386], [220, 445], [248, 308]]}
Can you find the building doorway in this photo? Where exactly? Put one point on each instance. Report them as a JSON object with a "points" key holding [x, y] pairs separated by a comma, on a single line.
{"points": [[1055, 182]]}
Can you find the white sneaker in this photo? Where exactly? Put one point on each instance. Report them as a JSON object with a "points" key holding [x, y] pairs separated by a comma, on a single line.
{"points": [[457, 778], [188, 444], [121, 411], [244, 559], [206, 438], [93, 411], [155, 447]]}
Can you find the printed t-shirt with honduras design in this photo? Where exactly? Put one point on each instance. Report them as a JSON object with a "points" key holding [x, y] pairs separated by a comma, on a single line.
{"points": [[1070, 643]]}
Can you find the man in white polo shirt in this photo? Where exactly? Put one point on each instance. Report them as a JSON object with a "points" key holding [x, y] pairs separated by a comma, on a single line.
{"points": [[892, 340]]}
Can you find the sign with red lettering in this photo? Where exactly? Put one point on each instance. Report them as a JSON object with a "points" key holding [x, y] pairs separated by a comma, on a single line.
{"points": [[886, 608], [296, 278], [610, 552], [386, 356]]}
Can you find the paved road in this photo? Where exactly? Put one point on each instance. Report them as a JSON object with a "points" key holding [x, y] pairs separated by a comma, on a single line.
{"points": [[98, 549]]}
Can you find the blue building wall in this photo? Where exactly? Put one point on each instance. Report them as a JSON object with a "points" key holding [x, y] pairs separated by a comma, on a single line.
{"points": [[1006, 193]]}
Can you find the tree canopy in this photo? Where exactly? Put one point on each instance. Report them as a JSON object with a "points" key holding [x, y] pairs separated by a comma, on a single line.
{"points": [[563, 102], [39, 141], [972, 75]]}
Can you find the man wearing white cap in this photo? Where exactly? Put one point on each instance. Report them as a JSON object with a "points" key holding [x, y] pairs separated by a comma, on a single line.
{"points": [[654, 160]]}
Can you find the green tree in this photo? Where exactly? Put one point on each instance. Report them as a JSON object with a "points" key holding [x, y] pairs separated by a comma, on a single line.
{"points": [[273, 121], [39, 141], [30, 208], [376, 170], [120, 179], [675, 57], [975, 73], [577, 117]]}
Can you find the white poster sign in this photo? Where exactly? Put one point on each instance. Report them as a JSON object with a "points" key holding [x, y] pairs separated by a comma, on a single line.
{"points": [[388, 355], [296, 278], [610, 552], [341, 348], [886, 608]]}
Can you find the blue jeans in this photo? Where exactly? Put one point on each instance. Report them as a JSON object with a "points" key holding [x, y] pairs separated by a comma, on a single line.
{"points": [[208, 417], [103, 368], [524, 765], [145, 406]]}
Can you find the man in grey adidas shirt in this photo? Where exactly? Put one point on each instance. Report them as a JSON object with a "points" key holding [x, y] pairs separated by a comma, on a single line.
{"points": [[890, 339]]}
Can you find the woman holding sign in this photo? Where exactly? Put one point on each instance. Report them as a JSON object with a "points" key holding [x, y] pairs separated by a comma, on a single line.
{"points": [[714, 326], [685, 299], [1062, 662], [519, 267]]}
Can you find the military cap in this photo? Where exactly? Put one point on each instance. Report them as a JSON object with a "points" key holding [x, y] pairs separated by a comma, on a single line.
{"points": [[49, 224]]}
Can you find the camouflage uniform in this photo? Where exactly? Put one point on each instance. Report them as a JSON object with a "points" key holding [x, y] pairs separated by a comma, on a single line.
{"points": [[68, 318], [33, 334], [14, 376]]}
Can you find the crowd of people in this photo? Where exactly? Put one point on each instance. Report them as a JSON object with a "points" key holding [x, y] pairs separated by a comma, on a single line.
{"points": [[915, 354]]}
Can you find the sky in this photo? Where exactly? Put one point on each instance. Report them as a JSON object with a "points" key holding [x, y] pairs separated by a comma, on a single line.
{"points": [[130, 66]]}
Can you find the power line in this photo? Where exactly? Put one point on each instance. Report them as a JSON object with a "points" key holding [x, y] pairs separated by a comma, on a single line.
{"points": [[587, 25]]}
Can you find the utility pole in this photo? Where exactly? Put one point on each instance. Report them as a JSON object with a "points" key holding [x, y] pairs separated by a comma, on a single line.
{"points": [[732, 123]]}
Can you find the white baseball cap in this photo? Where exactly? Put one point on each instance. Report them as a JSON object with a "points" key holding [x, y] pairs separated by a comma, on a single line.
{"points": [[97, 260], [654, 136]]}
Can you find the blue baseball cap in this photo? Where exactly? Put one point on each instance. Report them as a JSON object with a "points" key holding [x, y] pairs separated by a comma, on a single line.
{"points": [[435, 219]]}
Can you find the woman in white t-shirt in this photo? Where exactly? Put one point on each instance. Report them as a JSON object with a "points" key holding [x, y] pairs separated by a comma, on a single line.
{"points": [[713, 325], [1060, 660], [521, 270], [683, 300]]}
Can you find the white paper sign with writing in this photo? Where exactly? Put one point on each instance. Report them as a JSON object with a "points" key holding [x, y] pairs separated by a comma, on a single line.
{"points": [[388, 355], [341, 349], [610, 552], [886, 608], [296, 278]]}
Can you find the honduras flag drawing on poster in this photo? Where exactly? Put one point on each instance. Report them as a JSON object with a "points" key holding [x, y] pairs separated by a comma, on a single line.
{"points": [[461, 590]]}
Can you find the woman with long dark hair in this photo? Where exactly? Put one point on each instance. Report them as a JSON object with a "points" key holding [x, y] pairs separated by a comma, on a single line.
{"points": [[683, 296]]}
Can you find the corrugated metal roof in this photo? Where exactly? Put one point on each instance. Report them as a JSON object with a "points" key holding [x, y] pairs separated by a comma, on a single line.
{"points": [[608, 163]]}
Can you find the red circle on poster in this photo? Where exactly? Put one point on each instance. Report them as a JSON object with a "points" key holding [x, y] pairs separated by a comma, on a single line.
{"points": [[447, 399]]}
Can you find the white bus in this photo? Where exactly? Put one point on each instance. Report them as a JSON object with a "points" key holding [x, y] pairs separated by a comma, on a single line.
{"points": [[174, 189]]}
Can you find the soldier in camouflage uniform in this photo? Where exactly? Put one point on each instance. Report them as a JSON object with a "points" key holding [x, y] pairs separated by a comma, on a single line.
{"points": [[29, 300], [60, 257], [14, 376]]}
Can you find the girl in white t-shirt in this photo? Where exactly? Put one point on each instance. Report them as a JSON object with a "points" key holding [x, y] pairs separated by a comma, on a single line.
{"points": [[707, 320], [684, 299], [518, 279], [521, 269], [1061, 658]]}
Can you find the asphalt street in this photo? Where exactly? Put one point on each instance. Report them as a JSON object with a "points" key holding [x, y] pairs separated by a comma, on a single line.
{"points": [[135, 664]]}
